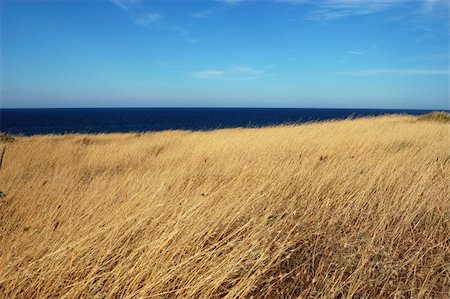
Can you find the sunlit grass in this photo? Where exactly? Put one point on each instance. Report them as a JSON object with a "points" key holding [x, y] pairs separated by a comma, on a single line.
{"points": [[336, 209]]}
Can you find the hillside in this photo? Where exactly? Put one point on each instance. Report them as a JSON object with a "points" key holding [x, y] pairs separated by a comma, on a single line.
{"points": [[335, 209]]}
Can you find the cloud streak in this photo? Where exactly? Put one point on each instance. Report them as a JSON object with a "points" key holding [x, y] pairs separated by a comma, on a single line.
{"points": [[357, 53], [125, 4], [221, 5], [237, 73], [142, 17], [429, 5], [147, 19], [137, 13], [233, 2], [329, 10], [203, 13], [396, 72]]}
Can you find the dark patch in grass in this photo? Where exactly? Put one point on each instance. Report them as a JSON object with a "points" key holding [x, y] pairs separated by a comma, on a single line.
{"points": [[6, 137], [89, 141], [2, 155], [399, 146], [85, 141], [155, 150], [436, 116], [55, 226]]}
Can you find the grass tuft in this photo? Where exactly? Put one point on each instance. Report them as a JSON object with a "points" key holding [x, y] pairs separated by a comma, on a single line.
{"points": [[436, 116], [6, 138]]}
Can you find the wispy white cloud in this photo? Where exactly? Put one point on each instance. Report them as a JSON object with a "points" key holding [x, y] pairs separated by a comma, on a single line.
{"points": [[429, 5], [203, 13], [295, 1], [186, 34], [209, 11], [143, 17], [210, 74], [357, 53], [396, 72], [147, 19], [360, 53], [220, 5], [350, 54], [237, 73], [232, 2], [125, 4], [431, 56], [328, 10], [137, 13]]}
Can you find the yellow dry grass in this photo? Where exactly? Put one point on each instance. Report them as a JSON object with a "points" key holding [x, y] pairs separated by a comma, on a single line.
{"points": [[353, 208]]}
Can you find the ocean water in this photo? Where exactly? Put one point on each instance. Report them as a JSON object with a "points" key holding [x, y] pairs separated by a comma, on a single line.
{"points": [[97, 120]]}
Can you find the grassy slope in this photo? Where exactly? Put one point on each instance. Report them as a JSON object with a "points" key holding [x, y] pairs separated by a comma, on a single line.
{"points": [[355, 207]]}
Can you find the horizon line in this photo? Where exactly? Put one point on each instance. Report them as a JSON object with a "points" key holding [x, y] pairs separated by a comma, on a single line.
{"points": [[202, 107]]}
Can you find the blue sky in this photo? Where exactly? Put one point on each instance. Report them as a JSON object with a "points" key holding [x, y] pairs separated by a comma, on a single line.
{"points": [[229, 53]]}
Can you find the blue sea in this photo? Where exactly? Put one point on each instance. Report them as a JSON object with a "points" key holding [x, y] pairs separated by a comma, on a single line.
{"points": [[98, 120]]}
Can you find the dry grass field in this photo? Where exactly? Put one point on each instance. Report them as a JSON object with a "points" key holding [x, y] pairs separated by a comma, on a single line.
{"points": [[354, 208]]}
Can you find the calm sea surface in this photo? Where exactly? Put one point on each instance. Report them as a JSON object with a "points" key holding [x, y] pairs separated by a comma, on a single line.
{"points": [[44, 121]]}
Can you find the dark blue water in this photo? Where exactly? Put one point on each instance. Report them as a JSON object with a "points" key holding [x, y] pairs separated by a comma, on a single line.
{"points": [[58, 121]]}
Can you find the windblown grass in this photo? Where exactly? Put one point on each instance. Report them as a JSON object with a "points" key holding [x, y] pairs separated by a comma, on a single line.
{"points": [[5, 138], [338, 209], [436, 116]]}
